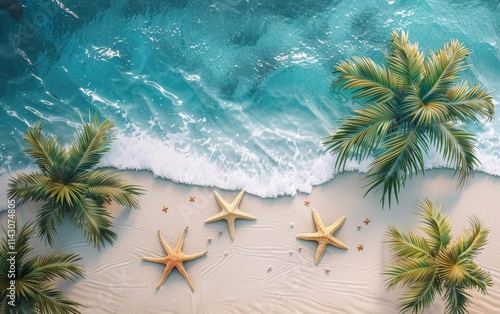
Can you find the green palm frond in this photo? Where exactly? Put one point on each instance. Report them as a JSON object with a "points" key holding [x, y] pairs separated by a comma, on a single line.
{"points": [[442, 69], [465, 103], [420, 296], [49, 216], [89, 146], [360, 135], [365, 79], [108, 185], [472, 241], [28, 187], [457, 147], [436, 225], [45, 152], [449, 267], [399, 157], [95, 221], [34, 277], [457, 300], [405, 61], [409, 271], [407, 244], [52, 301]]}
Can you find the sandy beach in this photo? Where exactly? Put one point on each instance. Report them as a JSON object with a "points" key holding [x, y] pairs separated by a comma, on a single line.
{"points": [[266, 269]]}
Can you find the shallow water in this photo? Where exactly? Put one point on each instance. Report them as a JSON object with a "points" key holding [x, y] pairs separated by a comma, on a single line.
{"points": [[239, 89]]}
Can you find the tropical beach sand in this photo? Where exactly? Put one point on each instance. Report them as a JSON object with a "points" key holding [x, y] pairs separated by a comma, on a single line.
{"points": [[263, 270]]}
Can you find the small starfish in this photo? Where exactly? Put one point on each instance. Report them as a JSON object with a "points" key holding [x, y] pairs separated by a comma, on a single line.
{"points": [[323, 235], [165, 208], [230, 212], [360, 247], [192, 198], [306, 202], [174, 258], [366, 221]]}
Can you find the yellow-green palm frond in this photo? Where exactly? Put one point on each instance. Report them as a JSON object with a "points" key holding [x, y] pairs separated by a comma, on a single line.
{"points": [[407, 244], [420, 295], [89, 146], [457, 300], [66, 194], [472, 241], [441, 70], [360, 135], [409, 271], [105, 184], [470, 103], [95, 221], [436, 225], [45, 152], [419, 113], [457, 147], [399, 157], [365, 79], [58, 264], [28, 187], [405, 61]]}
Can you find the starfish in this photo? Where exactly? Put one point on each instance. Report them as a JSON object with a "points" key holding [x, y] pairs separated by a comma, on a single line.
{"points": [[323, 235], [230, 212], [360, 247], [366, 221], [306, 202], [165, 208], [174, 258], [192, 198]]}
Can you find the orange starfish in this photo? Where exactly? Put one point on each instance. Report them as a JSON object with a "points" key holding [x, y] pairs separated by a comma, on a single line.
{"points": [[360, 247], [174, 258], [192, 198], [366, 221], [165, 208], [306, 202]]}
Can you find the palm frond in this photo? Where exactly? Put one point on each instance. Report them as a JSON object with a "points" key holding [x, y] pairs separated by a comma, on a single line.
{"points": [[52, 301], [95, 222], [49, 217], [90, 145], [405, 61], [109, 185], [436, 225], [422, 114], [457, 147], [442, 70], [360, 135], [58, 265], [44, 151], [365, 79], [472, 241], [28, 187], [457, 300], [470, 103], [420, 296], [399, 157], [407, 244], [409, 271]]}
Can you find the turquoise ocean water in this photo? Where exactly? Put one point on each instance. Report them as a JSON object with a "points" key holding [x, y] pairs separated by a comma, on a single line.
{"points": [[232, 94]]}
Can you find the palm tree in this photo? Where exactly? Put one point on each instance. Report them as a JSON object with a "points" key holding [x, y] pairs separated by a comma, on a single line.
{"points": [[31, 286], [412, 104], [437, 263], [69, 183]]}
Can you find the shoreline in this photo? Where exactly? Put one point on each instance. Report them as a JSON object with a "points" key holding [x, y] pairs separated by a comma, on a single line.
{"points": [[235, 277]]}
